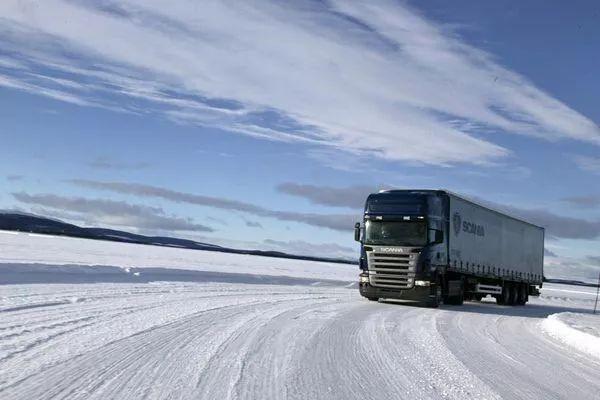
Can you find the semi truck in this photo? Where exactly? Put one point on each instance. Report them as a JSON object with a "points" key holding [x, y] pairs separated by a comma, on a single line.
{"points": [[433, 246]]}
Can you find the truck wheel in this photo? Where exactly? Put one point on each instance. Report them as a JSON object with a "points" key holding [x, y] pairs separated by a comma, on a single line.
{"points": [[373, 298], [458, 299], [504, 297], [514, 294], [523, 294], [435, 301]]}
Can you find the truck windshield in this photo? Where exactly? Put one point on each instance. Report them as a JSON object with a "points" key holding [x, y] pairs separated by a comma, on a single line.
{"points": [[396, 233]]}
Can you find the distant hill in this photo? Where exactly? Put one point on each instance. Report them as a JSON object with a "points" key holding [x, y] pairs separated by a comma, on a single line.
{"points": [[22, 222]]}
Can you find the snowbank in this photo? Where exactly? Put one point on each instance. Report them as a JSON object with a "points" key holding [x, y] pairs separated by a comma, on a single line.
{"points": [[579, 331]]}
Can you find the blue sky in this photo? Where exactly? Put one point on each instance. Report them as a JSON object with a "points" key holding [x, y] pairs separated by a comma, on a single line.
{"points": [[264, 124]]}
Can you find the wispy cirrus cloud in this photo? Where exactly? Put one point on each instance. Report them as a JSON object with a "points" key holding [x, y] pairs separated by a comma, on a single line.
{"points": [[109, 212], [253, 224], [556, 225], [351, 196], [110, 163], [14, 177], [373, 78], [339, 222], [589, 201], [588, 164]]}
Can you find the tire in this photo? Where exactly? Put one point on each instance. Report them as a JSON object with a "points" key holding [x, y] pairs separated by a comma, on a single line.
{"points": [[457, 300], [514, 294], [373, 298], [504, 297], [460, 299], [523, 296], [432, 303], [435, 302]]}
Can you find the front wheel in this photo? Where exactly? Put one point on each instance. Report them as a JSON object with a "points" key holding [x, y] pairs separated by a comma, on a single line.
{"points": [[434, 302], [459, 297], [373, 298]]}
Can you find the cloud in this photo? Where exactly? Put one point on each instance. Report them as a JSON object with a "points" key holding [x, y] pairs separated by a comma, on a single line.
{"points": [[351, 197], [340, 222], [585, 269], [253, 224], [549, 253], [14, 178], [110, 163], [589, 164], [595, 260], [109, 212], [557, 226], [371, 78], [590, 201]]}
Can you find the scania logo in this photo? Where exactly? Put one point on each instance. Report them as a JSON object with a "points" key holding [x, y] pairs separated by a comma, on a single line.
{"points": [[456, 223], [392, 250], [466, 226]]}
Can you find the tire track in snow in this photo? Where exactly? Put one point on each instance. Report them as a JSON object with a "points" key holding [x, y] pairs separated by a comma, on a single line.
{"points": [[382, 351], [127, 368], [512, 355], [206, 341]]}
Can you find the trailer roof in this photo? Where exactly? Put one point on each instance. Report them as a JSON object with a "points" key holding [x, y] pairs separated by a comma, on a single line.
{"points": [[450, 193]]}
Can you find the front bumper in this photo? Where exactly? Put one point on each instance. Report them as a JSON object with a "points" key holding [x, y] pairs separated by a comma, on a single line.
{"points": [[416, 293]]}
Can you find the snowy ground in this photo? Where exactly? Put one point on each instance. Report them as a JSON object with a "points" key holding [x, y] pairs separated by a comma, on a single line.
{"points": [[581, 332], [158, 323]]}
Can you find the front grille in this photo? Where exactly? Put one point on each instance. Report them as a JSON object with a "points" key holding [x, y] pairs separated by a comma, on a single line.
{"points": [[394, 270]]}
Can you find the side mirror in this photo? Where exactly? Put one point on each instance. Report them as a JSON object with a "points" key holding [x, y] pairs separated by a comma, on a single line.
{"points": [[357, 231], [438, 236]]}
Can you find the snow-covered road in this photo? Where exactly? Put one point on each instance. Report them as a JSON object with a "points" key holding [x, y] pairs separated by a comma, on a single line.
{"points": [[296, 340]]}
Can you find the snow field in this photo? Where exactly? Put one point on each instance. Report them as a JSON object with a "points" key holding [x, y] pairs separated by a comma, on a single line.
{"points": [[203, 325]]}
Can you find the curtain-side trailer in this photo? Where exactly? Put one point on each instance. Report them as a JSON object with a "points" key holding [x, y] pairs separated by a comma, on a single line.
{"points": [[433, 245]]}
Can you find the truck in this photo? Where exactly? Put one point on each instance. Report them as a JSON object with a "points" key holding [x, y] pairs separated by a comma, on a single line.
{"points": [[433, 246]]}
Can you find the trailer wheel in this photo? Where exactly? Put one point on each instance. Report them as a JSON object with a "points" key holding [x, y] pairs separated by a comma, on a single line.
{"points": [[504, 297], [523, 294], [514, 294]]}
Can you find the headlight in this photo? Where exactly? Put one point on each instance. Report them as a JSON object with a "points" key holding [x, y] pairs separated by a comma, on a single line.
{"points": [[422, 283], [363, 278]]}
